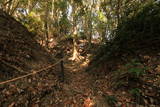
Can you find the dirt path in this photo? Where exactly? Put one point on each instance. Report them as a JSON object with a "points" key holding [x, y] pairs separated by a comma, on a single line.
{"points": [[45, 90], [80, 87]]}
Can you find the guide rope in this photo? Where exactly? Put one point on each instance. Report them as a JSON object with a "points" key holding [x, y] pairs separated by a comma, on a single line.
{"points": [[32, 73]]}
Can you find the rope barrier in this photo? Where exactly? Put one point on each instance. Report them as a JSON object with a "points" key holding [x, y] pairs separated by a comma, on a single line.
{"points": [[32, 73]]}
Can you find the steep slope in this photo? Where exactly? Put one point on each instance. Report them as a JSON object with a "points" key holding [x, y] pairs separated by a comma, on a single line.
{"points": [[129, 65], [18, 50]]}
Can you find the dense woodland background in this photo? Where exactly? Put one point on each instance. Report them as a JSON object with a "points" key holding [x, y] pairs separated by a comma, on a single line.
{"points": [[80, 53]]}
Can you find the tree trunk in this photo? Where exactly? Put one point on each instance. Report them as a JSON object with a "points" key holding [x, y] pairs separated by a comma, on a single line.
{"points": [[118, 11], [29, 6], [90, 32], [75, 52], [103, 36], [46, 25]]}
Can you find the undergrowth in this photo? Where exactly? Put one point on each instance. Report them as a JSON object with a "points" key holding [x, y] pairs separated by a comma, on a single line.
{"points": [[136, 34]]}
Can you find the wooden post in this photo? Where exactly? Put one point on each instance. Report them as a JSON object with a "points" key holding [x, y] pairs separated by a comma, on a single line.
{"points": [[62, 68]]}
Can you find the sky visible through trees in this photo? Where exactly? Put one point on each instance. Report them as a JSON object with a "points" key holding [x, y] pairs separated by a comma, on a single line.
{"points": [[92, 18]]}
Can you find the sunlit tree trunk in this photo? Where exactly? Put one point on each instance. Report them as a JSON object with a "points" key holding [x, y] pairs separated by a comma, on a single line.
{"points": [[52, 8], [29, 6], [75, 52]]}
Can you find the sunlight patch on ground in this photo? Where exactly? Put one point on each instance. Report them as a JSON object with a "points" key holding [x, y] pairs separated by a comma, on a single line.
{"points": [[77, 66], [85, 63]]}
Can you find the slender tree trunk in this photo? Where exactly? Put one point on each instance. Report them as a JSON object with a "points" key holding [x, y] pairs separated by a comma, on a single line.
{"points": [[90, 29], [52, 8], [46, 25], [104, 34], [46, 33], [62, 67], [118, 11], [75, 52], [29, 6], [90, 25]]}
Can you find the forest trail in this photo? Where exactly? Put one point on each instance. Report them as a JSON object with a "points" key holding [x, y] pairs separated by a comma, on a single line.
{"points": [[80, 87], [117, 42], [46, 90]]}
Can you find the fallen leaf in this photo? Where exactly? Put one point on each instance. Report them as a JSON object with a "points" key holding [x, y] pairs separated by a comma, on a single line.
{"points": [[12, 104], [88, 103]]}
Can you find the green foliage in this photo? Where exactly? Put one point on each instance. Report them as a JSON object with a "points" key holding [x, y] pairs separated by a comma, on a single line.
{"points": [[65, 25], [136, 92], [33, 23], [79, 2], [137, 72], [135, 69], [128, 74], [101, 16], [82, 35], [68, 36], [111, 100], [140, 29], [100, 27], [120, 83], [62, 5]]}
